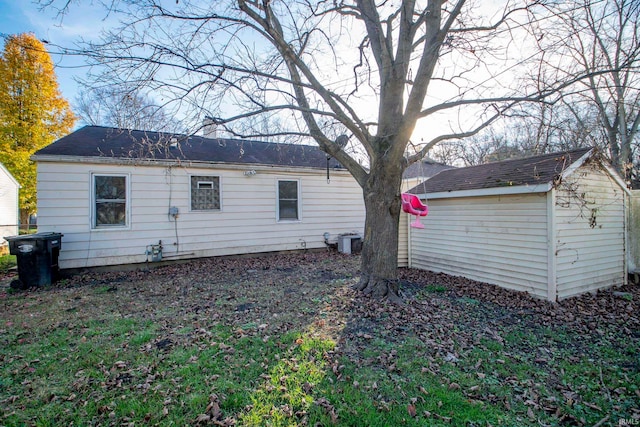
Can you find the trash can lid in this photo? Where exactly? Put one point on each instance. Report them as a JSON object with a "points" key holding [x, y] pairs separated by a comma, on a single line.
{"points": [[45, 235]]}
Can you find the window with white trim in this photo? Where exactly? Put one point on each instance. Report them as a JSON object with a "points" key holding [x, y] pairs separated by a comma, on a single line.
{"points": [[205, 193], [109, 201], [288, 200]]}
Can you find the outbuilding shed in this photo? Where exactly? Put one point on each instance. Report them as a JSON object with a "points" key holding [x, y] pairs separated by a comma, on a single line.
{"points": [[552, 225]]}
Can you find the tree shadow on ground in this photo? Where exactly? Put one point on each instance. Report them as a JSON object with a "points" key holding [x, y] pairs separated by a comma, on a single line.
{"points": [[284, 340]]}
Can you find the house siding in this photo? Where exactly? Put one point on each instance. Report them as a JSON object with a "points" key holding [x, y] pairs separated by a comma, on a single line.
{"points": [[403, 240], [245, 223], [8, 205], [590, 236], [500, 240]]}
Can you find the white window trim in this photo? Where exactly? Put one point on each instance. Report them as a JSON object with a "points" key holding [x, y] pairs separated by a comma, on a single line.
{"points": [[299, 188], [92, 198], [205, 211]]}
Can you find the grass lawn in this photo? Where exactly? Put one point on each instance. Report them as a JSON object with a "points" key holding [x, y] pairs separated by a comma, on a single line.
{"points": [[284, 341], [6, 262]]}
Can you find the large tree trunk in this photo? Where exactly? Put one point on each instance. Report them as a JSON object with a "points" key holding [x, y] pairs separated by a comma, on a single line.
{"points": [[380, 246], [24, 219]]}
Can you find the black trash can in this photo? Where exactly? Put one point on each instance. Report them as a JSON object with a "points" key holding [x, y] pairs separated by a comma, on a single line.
{"points": [[37, 258]]}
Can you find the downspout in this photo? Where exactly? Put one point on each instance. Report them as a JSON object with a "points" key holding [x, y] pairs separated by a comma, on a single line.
{"points": [[552, 285]]}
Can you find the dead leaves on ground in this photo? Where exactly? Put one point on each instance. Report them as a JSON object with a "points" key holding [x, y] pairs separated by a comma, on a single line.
{"points": [[268, 296]]}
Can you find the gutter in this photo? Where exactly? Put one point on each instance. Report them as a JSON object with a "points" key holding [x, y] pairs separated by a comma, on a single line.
{"points": [[178, 163], [494, 191]]}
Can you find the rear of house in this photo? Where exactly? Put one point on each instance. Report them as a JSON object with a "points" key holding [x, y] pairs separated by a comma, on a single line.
{"points": [[118, 201], [552, 226]]}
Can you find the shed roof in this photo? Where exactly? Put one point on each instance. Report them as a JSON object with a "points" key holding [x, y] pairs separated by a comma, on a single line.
{"points": [[530, 171], [105, 142]]}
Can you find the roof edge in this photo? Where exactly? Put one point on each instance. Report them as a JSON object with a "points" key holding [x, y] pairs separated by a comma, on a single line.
{"points": [[493, 191], [10, 175], [606, 165], [578, 163], [615, 176], [129, 161]]}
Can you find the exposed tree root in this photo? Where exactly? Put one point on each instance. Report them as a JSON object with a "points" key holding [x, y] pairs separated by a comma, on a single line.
{"points": [[380, 288]]}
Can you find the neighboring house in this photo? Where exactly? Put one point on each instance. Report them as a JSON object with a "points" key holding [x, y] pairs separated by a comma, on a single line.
{"points": [[551, 225], [9, 213], [122, 197], [420, 171], [633, 232]]}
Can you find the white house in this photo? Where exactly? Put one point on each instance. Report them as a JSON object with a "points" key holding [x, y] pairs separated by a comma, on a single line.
{"points": [[122, 197], [420, 171], [551, 225], [9, 213]]}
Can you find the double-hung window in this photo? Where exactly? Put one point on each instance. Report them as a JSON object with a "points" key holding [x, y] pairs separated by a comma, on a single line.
{"points": [[109, 201], [205, 193], [288, 201]]}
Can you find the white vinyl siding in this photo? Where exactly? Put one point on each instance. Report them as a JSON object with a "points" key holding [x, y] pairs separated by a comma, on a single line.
{"points": [[403, 239], [247, 224], [553, 244], [590, 223], [8, 205], [500, 240]]}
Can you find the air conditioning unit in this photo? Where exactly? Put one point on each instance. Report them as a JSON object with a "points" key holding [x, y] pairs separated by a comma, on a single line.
{"points": [[349, 243]]}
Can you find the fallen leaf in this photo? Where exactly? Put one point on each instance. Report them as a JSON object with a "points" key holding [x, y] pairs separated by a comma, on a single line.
{"points": [[412, 410]]}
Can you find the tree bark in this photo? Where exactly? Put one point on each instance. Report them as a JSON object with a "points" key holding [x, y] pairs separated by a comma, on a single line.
{"points": [[380, 247]]}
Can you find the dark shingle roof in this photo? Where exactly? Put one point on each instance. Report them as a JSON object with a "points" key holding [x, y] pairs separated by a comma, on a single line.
{"points": [[424, 168], [103, 142], [529, 171]]}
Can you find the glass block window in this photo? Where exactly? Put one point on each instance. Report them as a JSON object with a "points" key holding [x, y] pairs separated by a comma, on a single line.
{"points": [[288, 199], [205, 193], [110, 201]]}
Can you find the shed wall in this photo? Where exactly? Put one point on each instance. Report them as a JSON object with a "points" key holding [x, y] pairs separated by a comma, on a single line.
{"points": [[246, 222], [500, 240], [590, 232]]}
